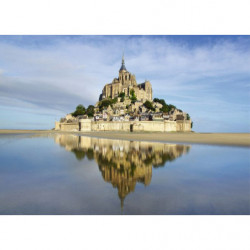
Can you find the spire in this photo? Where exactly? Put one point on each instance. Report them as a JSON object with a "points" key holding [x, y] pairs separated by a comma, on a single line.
{"points": [[123, 58], [123, 63], [122, 204]]}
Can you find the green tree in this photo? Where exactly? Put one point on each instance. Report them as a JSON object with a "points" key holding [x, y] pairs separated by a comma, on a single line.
{"points": [[171, 106], [165, 109], [149, 105], [161, 101], [80, 110], [114, 101], [133, 97], [90, 111], [122, 95], [188, 117], [106, 102]]}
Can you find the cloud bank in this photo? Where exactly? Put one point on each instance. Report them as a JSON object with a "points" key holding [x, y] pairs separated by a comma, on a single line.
{"points": [[44, 77]]}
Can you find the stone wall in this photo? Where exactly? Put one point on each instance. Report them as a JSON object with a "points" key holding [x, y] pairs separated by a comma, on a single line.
{"points": [[69, 126], [110, 126], [183, 125], [86, 125], [149, 126], [57, 126]]}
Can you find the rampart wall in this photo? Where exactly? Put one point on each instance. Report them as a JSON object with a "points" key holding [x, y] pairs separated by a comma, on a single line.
{"points": [[87, 125], [67, 126]]}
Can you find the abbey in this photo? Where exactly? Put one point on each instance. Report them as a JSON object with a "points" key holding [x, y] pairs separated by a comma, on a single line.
{"points": [[125, 83], [125, 105]]}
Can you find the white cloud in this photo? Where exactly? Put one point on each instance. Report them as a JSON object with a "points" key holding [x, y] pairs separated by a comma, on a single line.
{"points": [[61, 74]]}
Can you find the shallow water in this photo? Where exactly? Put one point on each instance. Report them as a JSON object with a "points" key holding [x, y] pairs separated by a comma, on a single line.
{"points": [[69, 174]]}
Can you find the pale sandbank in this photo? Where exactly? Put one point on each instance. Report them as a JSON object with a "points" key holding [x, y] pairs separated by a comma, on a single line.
{"points": [[232, 139]]}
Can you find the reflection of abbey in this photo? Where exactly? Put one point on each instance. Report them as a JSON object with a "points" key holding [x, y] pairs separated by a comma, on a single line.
{"points": [[125, 105], [124, 84], [122, 163]]}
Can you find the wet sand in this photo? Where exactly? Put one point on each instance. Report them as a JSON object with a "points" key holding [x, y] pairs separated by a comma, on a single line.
{"points": [[232, 139]]}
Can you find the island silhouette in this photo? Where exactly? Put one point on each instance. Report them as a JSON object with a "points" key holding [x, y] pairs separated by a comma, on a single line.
{"points": [[122, 163]]}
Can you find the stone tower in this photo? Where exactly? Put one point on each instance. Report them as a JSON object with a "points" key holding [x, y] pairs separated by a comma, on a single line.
{"points": [[124, 83]]}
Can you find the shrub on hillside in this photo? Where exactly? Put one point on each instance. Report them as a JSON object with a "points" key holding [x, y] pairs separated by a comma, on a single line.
{"points": [[80, 110]]}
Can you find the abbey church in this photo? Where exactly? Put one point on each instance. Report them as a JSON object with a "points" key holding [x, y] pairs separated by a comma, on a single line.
{"points": [[124, 83], [125, 105]]}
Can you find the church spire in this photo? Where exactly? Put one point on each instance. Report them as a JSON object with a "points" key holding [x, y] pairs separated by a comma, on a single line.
{"points": [[123, 63], [122, 204]]}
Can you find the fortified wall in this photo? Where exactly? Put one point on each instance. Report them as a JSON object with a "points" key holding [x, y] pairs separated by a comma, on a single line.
{"points": [[88, 125]]}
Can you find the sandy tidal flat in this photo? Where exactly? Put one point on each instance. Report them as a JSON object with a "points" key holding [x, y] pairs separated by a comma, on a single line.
{"points": [[233, 139]]}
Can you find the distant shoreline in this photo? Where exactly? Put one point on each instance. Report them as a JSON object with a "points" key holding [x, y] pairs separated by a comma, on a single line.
{"points": [[230, 139]]}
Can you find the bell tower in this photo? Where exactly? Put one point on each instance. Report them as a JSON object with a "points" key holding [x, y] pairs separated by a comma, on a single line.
{"points": [[124, 75]]}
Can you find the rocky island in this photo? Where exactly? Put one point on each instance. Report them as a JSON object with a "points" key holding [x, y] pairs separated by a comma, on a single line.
{"points": [[125, 105]]}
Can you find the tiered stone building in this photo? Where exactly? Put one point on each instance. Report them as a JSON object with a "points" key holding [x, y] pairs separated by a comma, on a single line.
{"points": [[129, 111], [124, 83]]}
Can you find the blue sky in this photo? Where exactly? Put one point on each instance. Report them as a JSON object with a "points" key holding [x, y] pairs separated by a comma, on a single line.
{"points": [[44, 77]]}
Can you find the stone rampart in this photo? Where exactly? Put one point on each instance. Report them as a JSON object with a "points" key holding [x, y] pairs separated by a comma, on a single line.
{"points": [[69, 126], [87, 125], [110, 126]]}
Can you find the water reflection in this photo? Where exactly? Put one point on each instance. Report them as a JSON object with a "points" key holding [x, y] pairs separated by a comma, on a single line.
{"points": [[122, 163]]}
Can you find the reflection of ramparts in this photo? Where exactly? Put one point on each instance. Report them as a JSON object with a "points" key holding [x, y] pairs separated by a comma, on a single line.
{"points": [[122, 163]]}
